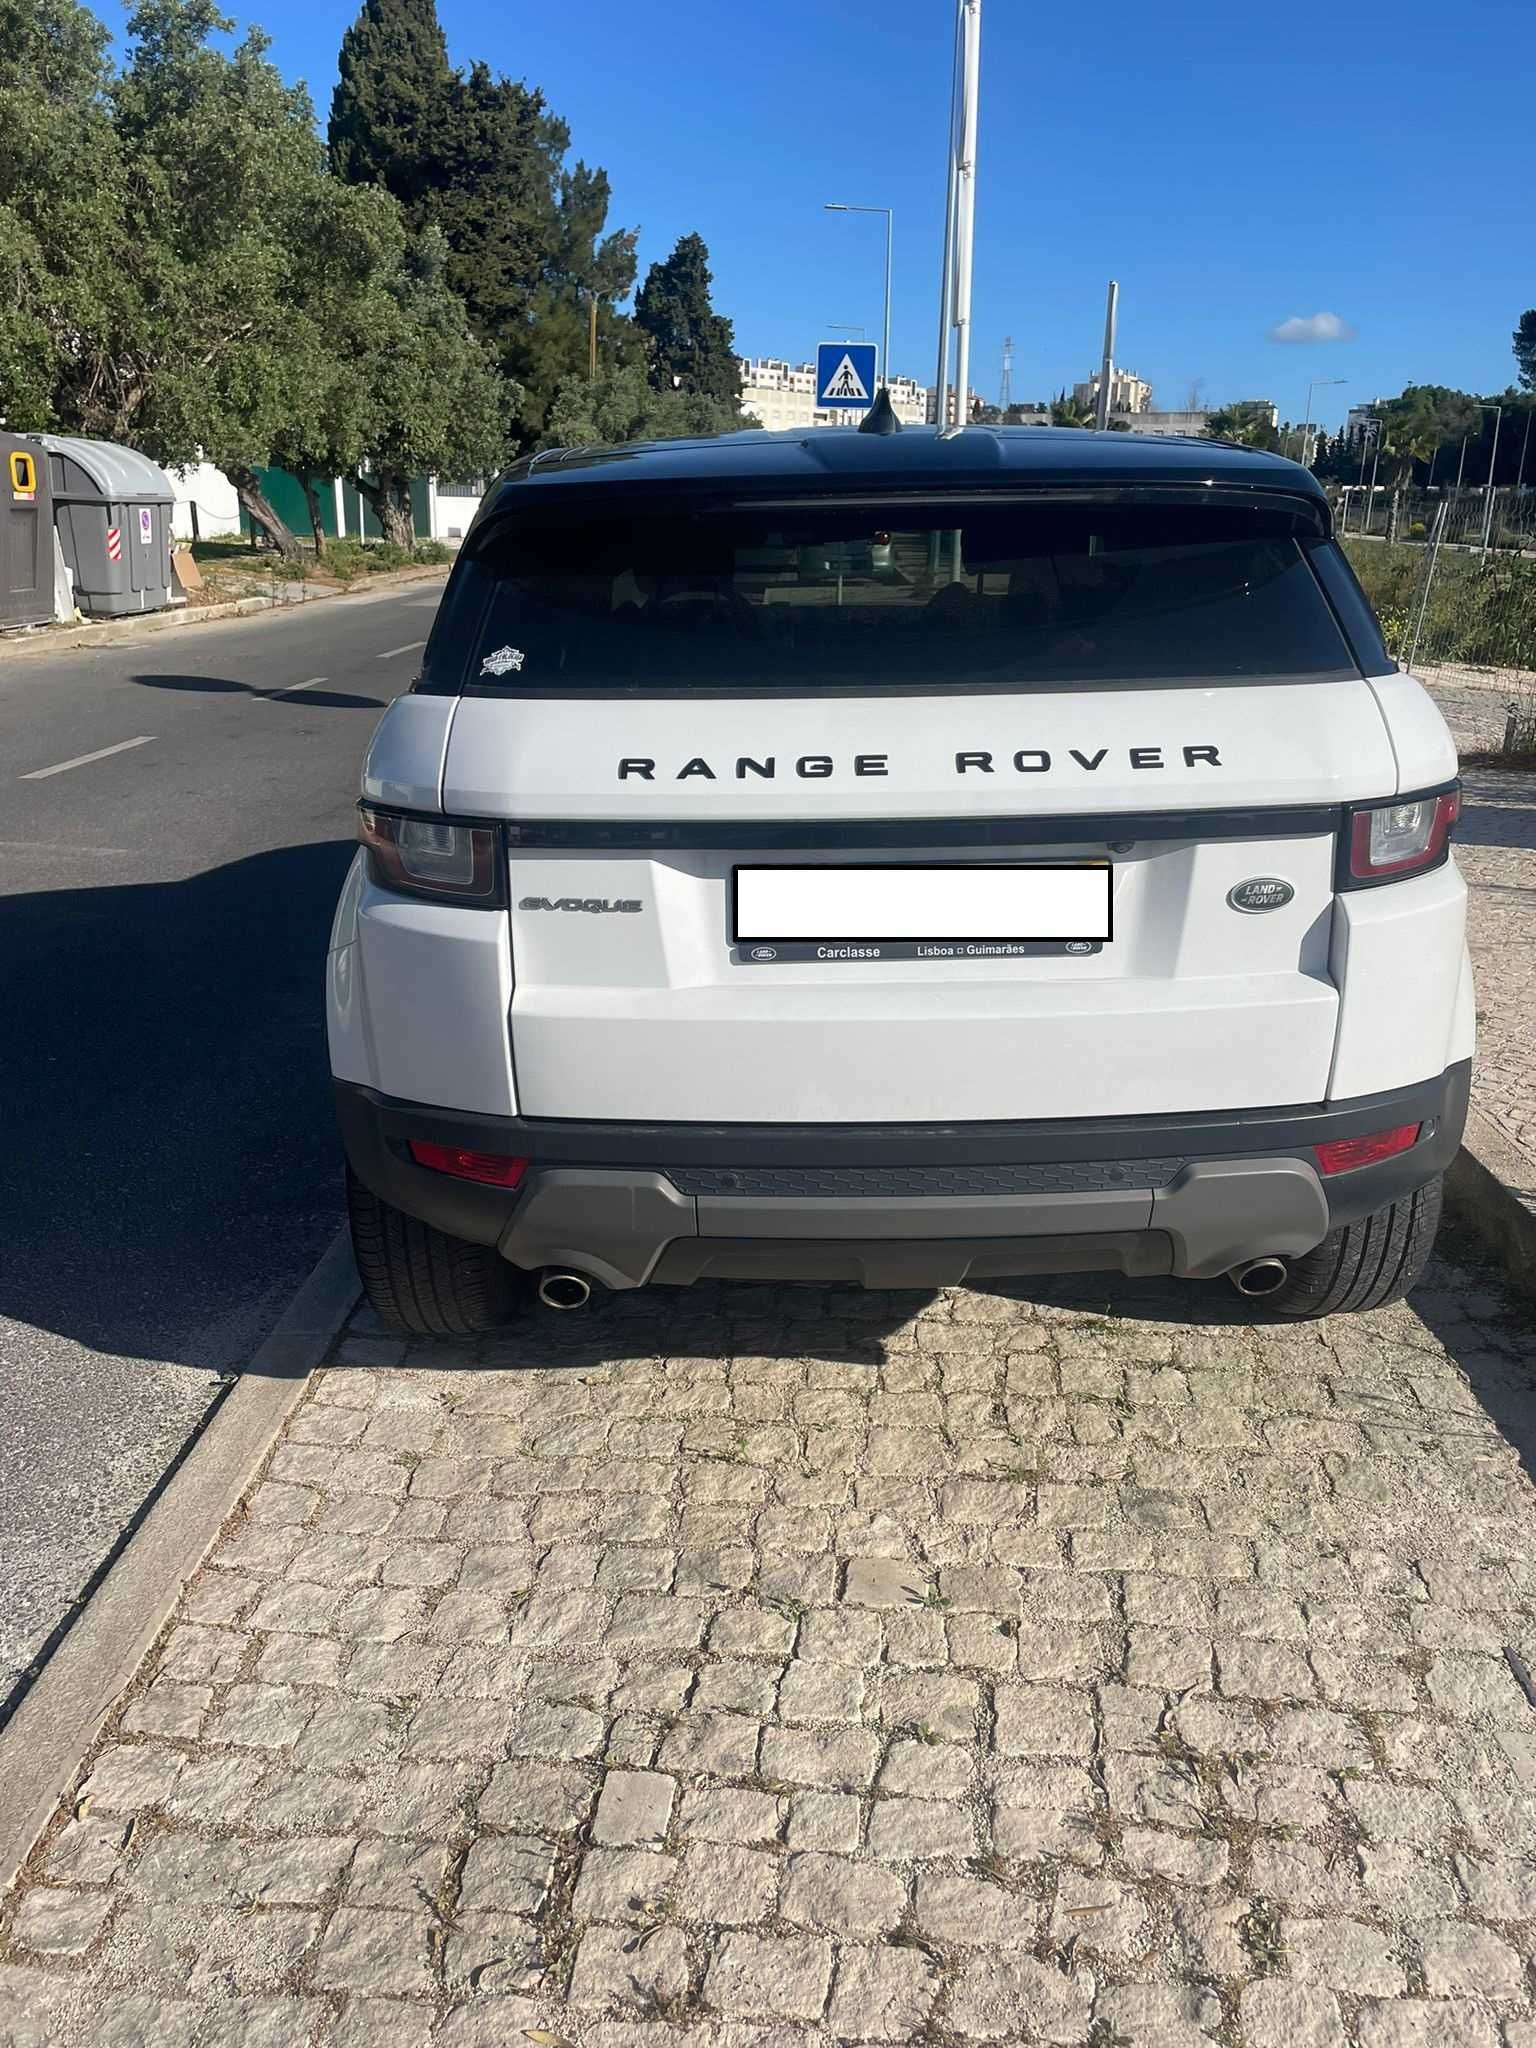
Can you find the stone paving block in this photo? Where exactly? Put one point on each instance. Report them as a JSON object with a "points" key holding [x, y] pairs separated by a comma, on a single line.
{"points": [[840, 1895], [722, 1815], [611, 1965], [727, 1885], [824, 1820], [882, 1994], [634, 1807], [506, 1874], [997, 1997], [1435, 2023], [1038, 1720], [631, 1886], [169, 1709], [904, 1830], [974, 1912], [1461, 1958], [87, 1851], [881, 1582], [374, 1952], [1160, 2015], [402, 1874], [493, 1955], [769, 1976], [60, 1923], [1346, 1955], [1275, 2014], [840, 1759]]}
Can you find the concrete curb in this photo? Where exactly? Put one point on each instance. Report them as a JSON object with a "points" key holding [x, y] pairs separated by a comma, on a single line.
{"points": [[118, 632], [1492, 1188], [42, 1744]]}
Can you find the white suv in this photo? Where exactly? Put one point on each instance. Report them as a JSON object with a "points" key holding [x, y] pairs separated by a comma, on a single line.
{"points": [[901, 859]]}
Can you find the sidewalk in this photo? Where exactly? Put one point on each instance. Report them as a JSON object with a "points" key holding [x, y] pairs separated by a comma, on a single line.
{"points": [[753, 1667]]}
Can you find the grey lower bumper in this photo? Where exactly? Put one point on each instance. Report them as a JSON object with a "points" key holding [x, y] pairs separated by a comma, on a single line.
{"points": [[627, 1227]]}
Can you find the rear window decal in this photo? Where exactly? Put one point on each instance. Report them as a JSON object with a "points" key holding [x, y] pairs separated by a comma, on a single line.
{"points": [[502, 661]]}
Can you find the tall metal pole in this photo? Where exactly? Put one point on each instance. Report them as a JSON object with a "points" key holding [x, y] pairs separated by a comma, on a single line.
{"points": [[947, 278], [885, 353], [1493, 456], [965, 200], [1107, 363]]}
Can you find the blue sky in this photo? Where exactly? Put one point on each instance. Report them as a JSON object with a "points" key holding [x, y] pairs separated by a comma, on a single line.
{"points": [[1234, 167]]}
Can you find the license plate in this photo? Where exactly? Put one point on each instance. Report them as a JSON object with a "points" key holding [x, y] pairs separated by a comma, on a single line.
{"points": [[953, 905]]}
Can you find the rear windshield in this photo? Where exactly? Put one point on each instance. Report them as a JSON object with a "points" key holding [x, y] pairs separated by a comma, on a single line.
{"points": [[841, 597]]}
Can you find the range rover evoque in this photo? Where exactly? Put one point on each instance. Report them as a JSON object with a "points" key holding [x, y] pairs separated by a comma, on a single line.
{"points": [[901, 859]]}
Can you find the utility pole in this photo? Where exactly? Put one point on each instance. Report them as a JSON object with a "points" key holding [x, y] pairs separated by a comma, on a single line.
{"points": [[1107, 365], [965, 200], [592, 336], [1005, 389], [947, 272]]}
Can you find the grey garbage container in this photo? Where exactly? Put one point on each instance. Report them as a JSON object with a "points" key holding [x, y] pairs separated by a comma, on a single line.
{"points": [[26, 534], [112, 507]]}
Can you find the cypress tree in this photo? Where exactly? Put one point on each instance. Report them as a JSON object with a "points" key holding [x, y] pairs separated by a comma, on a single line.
{"points": [[387, 108], [692, 347]]}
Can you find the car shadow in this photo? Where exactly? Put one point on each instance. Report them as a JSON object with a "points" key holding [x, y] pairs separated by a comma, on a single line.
{"points": [[174, 1166], [1497, 809], [227, 686]]}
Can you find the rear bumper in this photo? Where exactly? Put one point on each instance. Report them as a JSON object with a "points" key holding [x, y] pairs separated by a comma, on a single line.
{"points": [[904, 1205]]}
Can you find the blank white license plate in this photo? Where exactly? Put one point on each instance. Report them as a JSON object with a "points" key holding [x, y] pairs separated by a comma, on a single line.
{"points": [[898, 903]]}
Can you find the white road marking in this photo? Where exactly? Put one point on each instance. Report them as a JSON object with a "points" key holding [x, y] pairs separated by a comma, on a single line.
{"points": [[290, 689], [82, 760], [409, 648]]}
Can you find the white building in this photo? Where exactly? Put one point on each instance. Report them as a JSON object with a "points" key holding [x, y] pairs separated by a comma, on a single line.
{"points": [[1360, 421], [783, 395], [1128, 393]]}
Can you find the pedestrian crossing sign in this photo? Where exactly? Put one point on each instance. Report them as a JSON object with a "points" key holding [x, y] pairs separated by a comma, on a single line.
{"points": [[845, 375]]}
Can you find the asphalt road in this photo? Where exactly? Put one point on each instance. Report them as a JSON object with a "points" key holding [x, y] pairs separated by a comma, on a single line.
{"points": [[175, 821]]}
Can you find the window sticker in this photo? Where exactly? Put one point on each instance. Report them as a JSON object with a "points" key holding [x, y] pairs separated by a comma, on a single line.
{"points": [[502, 661]]}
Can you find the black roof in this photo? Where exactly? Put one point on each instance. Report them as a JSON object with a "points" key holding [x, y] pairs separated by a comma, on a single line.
{"points": [[841, 458]]}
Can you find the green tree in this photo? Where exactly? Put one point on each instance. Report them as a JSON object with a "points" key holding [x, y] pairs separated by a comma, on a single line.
{"points": [[482, 158], [622, 404], [1069, 411], [691, 347], [1525, 348], [388, 106], [68, 311], [437, 401], [1247, 421], [1420, 420]]}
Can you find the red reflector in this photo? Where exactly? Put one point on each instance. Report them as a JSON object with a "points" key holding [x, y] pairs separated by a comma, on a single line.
{"points": [[496, 1169], [1340, 1154]]}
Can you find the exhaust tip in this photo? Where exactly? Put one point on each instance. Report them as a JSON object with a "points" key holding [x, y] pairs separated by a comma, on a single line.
{"points": [[565, 1290], [1260, 1277]]}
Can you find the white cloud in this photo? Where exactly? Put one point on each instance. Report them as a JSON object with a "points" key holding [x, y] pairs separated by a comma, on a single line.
{"points": [[1313, 327]]}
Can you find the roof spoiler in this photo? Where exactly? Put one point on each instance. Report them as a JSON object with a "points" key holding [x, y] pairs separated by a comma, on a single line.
{"points": [[882, 416]]}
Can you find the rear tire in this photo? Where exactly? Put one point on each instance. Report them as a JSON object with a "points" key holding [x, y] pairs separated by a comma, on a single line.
{"points": [[420, 1280], [1366, 1264]]}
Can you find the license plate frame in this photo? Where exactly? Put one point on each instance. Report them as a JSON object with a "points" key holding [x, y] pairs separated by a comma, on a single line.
{"points": [[1097, 931]]}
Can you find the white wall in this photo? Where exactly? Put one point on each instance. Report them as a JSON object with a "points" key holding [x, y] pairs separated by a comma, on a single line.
{"points": [[210, 490], [451, 515]]}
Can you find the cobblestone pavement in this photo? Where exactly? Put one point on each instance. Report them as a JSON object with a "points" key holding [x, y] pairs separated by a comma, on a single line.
{"points": [[1496, 851], [754, 1667]]}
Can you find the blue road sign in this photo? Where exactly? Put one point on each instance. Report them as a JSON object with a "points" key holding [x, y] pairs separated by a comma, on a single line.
{"points": [[845, 374]]}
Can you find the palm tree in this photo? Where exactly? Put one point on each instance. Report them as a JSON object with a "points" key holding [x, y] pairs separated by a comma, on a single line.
{"points": [[1070, 411], [1248, 422]]}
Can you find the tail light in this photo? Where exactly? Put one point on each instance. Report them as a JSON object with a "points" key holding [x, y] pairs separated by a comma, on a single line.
{"points": [[1339, 1155], [439, 858], [1386, 842], [492, 1169]]}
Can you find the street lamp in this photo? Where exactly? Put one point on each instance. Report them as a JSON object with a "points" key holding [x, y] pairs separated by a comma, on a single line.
{"points": [[1493, 456], [837, 206], [1316, 385]]}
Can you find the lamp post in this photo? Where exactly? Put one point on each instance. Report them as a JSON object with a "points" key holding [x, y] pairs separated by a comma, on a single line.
{"points": [[1493, 456], [1316, 385], [836, 206]]}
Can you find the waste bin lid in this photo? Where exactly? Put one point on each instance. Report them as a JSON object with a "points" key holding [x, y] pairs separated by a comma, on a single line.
{"points": [[119, 473]]}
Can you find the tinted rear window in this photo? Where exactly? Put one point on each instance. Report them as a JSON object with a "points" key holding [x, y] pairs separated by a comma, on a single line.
{"points": [[1028, 595]]}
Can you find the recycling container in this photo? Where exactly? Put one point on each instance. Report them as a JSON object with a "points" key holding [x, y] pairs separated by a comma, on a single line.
{"points": [[26, 534], [112, 507]]}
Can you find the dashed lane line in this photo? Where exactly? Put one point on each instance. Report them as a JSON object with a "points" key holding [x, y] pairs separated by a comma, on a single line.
{"points": [[84, 760], [409, 648], [292, 689]]}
